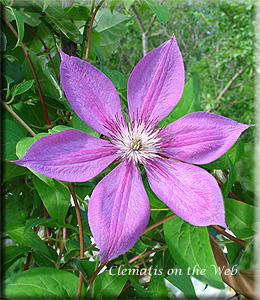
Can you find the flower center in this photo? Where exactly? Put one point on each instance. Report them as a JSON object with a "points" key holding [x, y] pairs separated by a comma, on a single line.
{"points": [[138, 140], [136, 143]]}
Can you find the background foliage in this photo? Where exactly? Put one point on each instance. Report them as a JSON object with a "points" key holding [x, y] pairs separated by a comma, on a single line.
{"points": [[40, 244]]}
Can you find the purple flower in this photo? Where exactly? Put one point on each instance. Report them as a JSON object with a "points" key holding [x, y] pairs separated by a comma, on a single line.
{"points": [[119, 208]]}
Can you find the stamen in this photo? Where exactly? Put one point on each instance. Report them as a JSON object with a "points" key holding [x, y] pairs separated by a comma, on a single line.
{"points": [[139, 140]]}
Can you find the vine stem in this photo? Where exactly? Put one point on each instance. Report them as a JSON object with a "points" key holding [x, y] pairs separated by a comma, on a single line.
{"points": [[90, 28], [222, 231], [18, 118], [47, 50], [158, 223], [32, 68], [81, 236], [96, 272]]}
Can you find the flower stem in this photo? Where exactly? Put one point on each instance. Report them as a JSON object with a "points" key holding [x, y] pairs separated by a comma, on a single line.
{"points": [[90, 27], [81, 236], [32, 68], [47, 50], [158, 223], [96, 272], [18, 118], [222, 231]]}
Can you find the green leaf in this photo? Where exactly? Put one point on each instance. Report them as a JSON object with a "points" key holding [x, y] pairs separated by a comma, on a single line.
{"points": [[140, 247], [56, 199], [78, 12], [132, 276], [19, 23], [109, 285], [42, 260], [190, 247], [47, 80], [12, 170], [3, 41], [227, 186], [58, 128], [21, 88], [111, 27], [235, 253], [128, 3], [42, 283], [182, 281], [11, 254], [116, 77], [31, 18], [113, 4], [23, 145], [55, 15], [17, 202], [44, 222], [240, 218], [28, 238], [162, 12], [46, 3], [189, 102], [157, 283], [13, 132], [77, 123]]}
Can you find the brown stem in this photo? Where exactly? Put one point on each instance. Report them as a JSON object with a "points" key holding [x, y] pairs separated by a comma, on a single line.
{"points": [[64, 237], [47, 50], [159, 223], [90, 28], [222, 231], [96, 272], [153, 240], [57, 239], [140, 24], [81, 236], [227, 87], [18, 118], [32, 68], [70, 259], [27, 261], [46, 217]]}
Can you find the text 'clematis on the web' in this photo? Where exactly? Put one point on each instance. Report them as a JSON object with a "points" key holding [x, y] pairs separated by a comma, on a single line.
{"points": [[119, 207]]}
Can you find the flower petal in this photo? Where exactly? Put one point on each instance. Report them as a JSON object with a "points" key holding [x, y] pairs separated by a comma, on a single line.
{"points": [[201, 137], [189, 191], [91, 94], [118, 211], [156, 83], [69, 155]]}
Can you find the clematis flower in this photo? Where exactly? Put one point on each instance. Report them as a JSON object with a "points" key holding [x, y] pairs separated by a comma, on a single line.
{"points": [[119, 207]]}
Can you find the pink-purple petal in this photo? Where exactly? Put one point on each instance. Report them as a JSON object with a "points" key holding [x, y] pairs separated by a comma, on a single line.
{"points": [[201, 137], [189, 191], [118, 211], [69, 155], [91, 94], [156, 83]]}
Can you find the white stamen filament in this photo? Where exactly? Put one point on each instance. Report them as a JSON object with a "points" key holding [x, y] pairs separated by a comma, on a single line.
{"points": [[137, 141]]}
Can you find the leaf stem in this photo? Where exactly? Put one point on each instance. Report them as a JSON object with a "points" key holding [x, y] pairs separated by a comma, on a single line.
{"points": [[47, 50], [96, 272], [90, 28], [158, 223], [222, 231], [70, 259], [81, 236], [18, 118], [32, 68]]}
